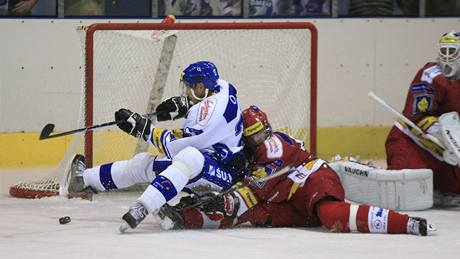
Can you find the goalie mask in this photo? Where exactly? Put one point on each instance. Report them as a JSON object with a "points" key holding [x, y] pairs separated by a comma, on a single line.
{"points": [[449, 55], [256, 126], [203, 72]]}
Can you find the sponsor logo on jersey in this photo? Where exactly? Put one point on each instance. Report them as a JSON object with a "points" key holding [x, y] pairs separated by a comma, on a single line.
{"points": [[220, 174], [300, 175], [274, 147], [422, 103], [205, 111]]}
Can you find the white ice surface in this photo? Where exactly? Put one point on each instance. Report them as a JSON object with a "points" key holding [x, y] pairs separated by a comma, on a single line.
{"points": [[30, 229]]}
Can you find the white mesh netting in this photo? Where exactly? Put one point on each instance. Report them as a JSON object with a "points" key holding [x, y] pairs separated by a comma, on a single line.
{"points": [[269, 67]]}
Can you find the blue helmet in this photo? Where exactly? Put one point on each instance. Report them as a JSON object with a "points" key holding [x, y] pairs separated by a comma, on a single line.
{"points": [[201, 72]]}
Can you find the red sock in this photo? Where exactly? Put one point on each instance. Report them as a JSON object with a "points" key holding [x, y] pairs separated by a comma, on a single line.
{"points": [[335, 216]]}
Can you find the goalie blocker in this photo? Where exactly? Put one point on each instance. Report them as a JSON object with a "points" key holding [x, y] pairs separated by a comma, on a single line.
{"points": [[407, 189]]}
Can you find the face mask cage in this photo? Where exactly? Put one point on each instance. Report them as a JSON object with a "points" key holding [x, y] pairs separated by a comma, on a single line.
{"points": [[449, 55]]}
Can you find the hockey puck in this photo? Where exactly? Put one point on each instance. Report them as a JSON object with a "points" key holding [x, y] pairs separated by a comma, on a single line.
{"points": [[64, 220]]}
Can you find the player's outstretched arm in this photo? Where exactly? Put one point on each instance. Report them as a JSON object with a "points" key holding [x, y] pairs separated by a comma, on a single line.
{"points": [[133, 123]]}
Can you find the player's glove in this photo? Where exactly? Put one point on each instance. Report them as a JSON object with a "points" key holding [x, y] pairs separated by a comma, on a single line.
{"points": [[187, 201], [173, 108], [133, 123], [218, 206]]}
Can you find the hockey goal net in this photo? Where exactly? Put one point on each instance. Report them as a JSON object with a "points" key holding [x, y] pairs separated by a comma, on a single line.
{"points": [[135, 66]]}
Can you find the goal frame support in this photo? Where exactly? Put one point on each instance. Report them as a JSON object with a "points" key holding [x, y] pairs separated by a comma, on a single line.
{"points": [[89, 75]]}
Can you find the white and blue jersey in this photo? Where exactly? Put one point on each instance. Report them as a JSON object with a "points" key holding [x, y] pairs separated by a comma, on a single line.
{"points": [[214, 126]]}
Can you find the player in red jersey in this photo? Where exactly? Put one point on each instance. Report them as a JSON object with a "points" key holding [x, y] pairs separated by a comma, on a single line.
{"points": [[310, 195], [432, 97]]}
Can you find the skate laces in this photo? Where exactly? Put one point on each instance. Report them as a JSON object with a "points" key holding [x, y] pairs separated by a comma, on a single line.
{"points": [[80, 168], [138, 211]]}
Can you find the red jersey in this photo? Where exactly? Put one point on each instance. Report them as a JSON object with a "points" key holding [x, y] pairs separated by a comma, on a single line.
{"points": [[290, 199], [278, 151], [287, 200], [431, 94]]}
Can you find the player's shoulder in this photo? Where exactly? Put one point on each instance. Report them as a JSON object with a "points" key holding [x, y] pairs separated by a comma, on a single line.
{"points": [[284, 138], [429, 72], [271, 148]]}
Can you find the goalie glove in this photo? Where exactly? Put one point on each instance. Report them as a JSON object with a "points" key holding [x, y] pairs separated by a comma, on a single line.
{"points": [[133, 123], [173, 108]]}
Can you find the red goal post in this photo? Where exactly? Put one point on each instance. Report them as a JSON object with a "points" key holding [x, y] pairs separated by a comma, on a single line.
{"points": [[136, 65]]}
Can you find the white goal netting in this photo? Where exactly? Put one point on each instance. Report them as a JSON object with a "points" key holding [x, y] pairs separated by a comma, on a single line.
{"points": [[135, 66]]}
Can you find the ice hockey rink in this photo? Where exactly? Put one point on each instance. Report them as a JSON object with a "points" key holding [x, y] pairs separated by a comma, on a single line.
{"points": [[42, 84], [30, 229]]}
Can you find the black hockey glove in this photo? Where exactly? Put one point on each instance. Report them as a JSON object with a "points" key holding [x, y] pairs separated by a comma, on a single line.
{"points": [[187, 201], [173, 108], [218, 205], [133, 123]]}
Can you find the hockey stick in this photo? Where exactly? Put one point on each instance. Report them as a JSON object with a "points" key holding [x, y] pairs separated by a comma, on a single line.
{"points": [[280, 172], [48, 129], [405, 119]]}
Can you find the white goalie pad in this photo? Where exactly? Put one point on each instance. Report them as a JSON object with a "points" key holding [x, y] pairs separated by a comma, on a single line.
{"points": [[407, 189], [450, 131]]}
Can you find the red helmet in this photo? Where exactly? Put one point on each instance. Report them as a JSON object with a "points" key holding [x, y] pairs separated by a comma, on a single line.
{"points": [[255, 120]]}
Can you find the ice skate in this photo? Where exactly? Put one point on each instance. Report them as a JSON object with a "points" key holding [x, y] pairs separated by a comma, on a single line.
{"points": [[419, 226], [75, 183], [136, 214]]}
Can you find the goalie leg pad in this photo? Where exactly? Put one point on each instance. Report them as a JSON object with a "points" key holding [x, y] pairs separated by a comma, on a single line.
{"points": [[406, 189]]}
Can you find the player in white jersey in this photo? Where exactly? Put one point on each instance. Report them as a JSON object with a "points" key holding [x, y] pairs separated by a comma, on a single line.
{"points": [[203, 156]]}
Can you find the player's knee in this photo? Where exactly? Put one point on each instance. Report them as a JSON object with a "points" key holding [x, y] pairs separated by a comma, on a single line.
{"points": [[140, 166], [334, 215], [190, 161]]}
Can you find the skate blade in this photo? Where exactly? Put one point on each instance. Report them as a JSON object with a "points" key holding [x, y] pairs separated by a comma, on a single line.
{"points": [[123, 227]]}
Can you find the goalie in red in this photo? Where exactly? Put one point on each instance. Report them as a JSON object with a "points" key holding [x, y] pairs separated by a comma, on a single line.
{"points": [[432, 103], [311, 195]]}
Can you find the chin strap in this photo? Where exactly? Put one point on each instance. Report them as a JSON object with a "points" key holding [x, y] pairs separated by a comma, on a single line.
{"points": [[199, 99]]}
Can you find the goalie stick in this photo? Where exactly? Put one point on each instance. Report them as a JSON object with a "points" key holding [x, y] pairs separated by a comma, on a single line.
{"points": [[406, 120], [48, 129]]}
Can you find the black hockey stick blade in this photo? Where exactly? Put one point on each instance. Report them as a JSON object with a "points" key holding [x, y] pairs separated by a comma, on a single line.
{"points": [[46, 131]]}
